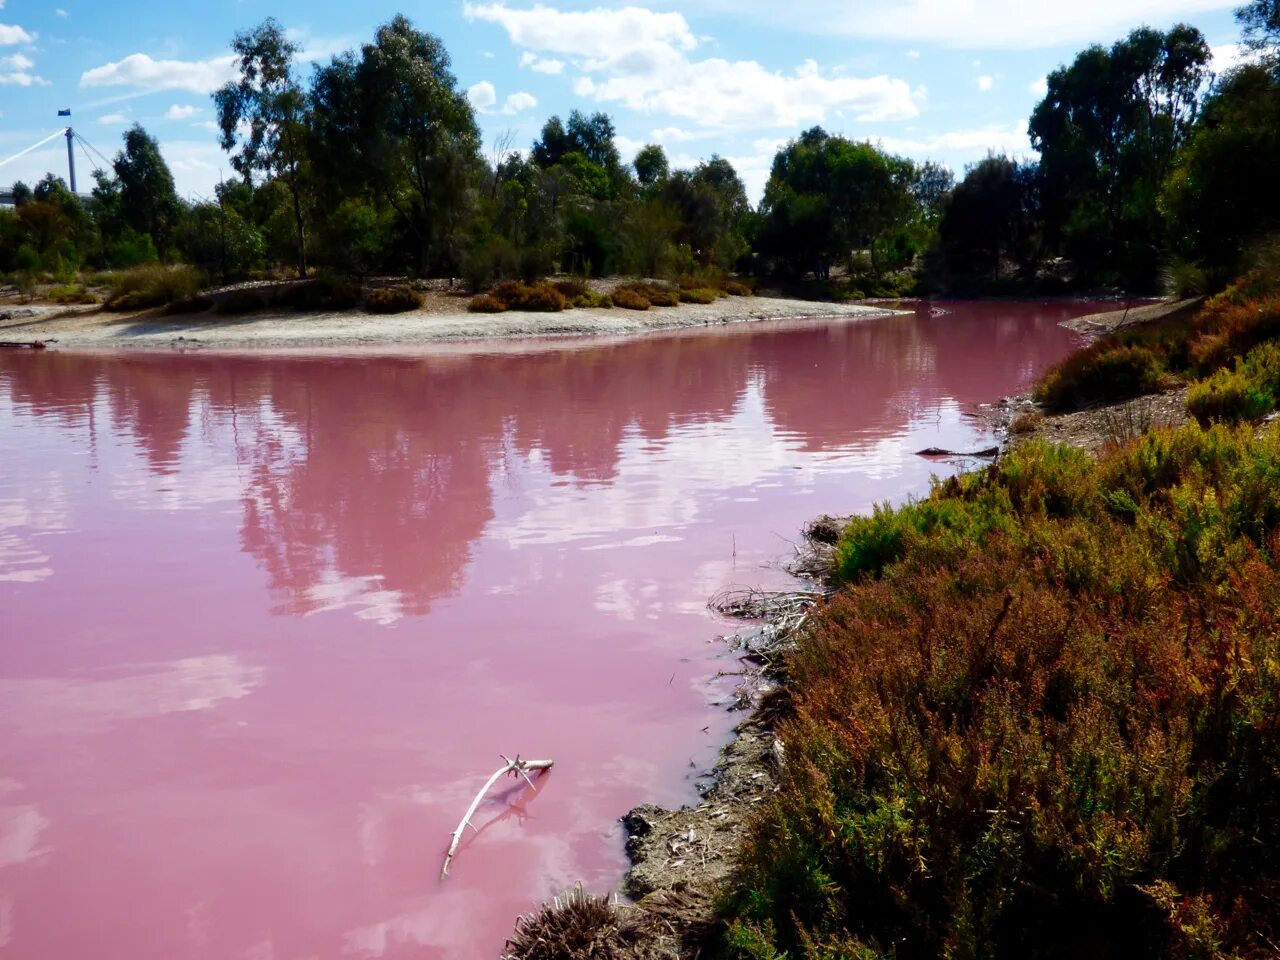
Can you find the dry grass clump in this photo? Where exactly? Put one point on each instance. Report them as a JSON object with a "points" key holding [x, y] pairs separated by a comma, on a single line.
{"points": [[571, 288], [737, 288], [71, 293], [655, 294], [699, 295], [538, 298], [484, 303], [629, 299], [153, 285], [1026, 422], [398, 299], [1039, 718], [581, 926]]}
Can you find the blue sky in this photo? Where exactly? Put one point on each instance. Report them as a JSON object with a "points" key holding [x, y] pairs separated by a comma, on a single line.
{"points": [[940, 79]]}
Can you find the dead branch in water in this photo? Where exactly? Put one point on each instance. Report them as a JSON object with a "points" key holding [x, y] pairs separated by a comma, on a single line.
{"points": [[516, 767], [749, 603]]}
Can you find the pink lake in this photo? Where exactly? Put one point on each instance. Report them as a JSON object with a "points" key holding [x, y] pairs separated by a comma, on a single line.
{"points": [[266, 622]]}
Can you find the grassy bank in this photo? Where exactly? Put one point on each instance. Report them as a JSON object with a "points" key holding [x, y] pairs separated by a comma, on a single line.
{"points": [[1037, 717]]}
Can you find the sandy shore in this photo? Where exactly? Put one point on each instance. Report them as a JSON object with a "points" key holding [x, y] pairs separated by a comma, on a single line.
{"points": [[91, 328]]}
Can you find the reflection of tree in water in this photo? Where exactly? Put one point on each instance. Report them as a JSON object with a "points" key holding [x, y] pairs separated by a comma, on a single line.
{"points": [[367, 480]]}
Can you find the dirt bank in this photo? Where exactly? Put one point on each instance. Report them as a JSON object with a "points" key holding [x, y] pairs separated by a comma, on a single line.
{"points": [[92, 328], [1141, 312]]}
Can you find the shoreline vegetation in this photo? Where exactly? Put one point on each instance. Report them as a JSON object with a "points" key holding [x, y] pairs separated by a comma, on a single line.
{"points": [[1032, 714]]}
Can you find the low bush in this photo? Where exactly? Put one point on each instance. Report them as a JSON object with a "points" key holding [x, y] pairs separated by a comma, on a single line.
{"points": [[1026, 422], [1227, 396], [1039, 720], [153, 285], [484, 303], [629, 299], [572, 288], [738, 289], [400, 299], [539, 298], [655, 294], [1103, 373], [71, 293], [590, 298], [699, 295]]}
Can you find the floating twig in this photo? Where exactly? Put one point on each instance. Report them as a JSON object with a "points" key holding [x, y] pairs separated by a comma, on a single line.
{"points": [[516, 767]]}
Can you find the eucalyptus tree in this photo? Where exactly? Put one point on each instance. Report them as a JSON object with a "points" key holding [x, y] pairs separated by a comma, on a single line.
{"points": [[408, 135], [262, 117], [148, 200], [1107, 131]]}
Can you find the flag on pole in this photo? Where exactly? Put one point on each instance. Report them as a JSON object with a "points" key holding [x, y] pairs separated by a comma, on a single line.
{"points": [[65, 113]]}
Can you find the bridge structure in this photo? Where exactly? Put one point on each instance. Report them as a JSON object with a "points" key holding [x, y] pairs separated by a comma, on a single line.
{"points": [[73, 139]]}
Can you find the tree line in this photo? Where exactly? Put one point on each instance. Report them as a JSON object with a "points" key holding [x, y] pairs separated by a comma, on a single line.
{"points": [[1149, 167]]}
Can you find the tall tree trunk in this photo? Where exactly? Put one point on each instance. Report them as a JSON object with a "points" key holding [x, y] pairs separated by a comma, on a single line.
{"points": [[297, 219]]}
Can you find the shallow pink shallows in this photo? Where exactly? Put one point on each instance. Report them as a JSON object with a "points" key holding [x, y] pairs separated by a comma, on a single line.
{"points": [[267, 622]]}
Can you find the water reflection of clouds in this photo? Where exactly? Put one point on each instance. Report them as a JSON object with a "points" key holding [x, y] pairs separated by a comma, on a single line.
{"points": [[362, 595], [42, 509], [67, 705]]}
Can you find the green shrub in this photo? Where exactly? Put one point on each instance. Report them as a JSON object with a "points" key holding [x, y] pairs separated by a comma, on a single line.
{"points": [[1047, 693], [399, 299], [71, 293], [152, 286], [738, 289], [1228, 395], [591, 299], [699, 295], [629, 299], [484, 303], [1103, 373]]}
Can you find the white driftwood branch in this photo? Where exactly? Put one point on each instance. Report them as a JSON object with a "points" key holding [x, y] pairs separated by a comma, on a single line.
{"points": [[516, 767]]}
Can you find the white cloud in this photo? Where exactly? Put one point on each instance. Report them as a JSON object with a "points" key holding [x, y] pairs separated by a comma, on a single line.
{"points": [[10, 35], [140, 70], [517, 102], [640, 59], [108, 118], [1039, 88], [986, 82], [206, 125], [912, 54], [61, 14], [181, 112], [21, 78], [482, 96], [1227, 56], [539, 65], [587, 33], [16, 62], [970, 24], [971, 144]]}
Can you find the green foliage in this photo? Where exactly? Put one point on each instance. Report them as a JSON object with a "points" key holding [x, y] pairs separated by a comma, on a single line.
{"points": [[591, 299], [152, 286], [1107, 132], [990, 219], [399, 299], [1248, 392], [149, 205], [71, 293], [1038, 720], [699, 295], [130, 249], [1104, 373]]}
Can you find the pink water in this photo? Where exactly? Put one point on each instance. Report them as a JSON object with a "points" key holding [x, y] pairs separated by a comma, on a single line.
{"points": [[267, 622]]}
